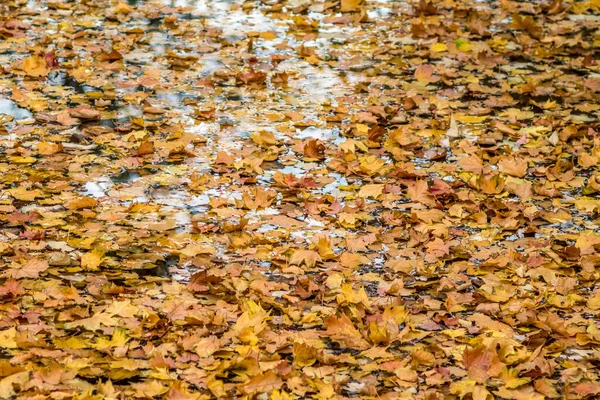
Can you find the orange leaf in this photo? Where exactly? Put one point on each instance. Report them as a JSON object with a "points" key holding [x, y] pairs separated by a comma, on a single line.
{"points": [[35, 66], [342, 330], [419, 193], [262, 383], [424, 73], [306, 257], [31, 269]]}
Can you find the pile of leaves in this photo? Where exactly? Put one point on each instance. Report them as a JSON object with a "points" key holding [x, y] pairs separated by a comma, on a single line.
{"points": [[299, 199]]}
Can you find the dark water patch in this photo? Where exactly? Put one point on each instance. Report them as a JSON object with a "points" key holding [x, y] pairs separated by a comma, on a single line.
{"points": [[160, 270], [61, 78], [125, 177]]}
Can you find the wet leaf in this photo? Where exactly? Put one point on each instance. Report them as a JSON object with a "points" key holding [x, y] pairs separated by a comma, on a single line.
{"points": [[35, 66]]}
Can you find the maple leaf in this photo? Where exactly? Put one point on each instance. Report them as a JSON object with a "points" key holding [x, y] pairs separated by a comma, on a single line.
{"points": [[149, 389], [314, 149], [306, 257], [262, 383], [30, 269], [84, 112], [257, 197], [343, 331], [8, 338], [511, 379], [10, 383], [349, 295], [490, 185], [544, 387], [324, 248], [373, 190], [264, 139], [11, 287], [93, 323], [91, 260], [269, 164], [593, 302], [471, 163], [587, 241], [423, 357], [587, 389], [205, 347], [252, 322], [304, 354], [82, 202], [290, 181], [477, 361], [350, 5], [526, 23], [419, 193], [107, 389], [35, 66], [513, 166], [424, 73], [49, 148], [216, 386], [371, 165], [469, 387], [252, 77], [425, 8], [180, 391], [146, 147], [118, 339]]}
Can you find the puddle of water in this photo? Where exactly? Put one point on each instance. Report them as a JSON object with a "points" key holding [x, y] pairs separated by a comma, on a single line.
{"points": [[60, 78], [316, 85], [9, 107], [97, 189], [292, 169], [332, 188], [325, 134], [380, 12], [125, 177]]}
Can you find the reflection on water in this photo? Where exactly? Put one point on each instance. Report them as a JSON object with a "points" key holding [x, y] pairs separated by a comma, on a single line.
{"points": [[96, 189], [61, 78], [9, 107], [179, 88], [125, 176]]}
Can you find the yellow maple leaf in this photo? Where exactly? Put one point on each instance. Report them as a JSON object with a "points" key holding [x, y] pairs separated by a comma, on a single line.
{"points": [[91, 260], [511, 379], [594, 302], [8, 339], [82, 202], [324, 248], [372, 190], [46, 149], [438, 48], [306, 257], [469, 119], [35, 66], [149, 389], [350, 5], [30, 269], [262, 383], [371, 164], [264, 139], [8, 384]]}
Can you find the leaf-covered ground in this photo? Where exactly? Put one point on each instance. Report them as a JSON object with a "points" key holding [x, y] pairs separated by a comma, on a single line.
{"points": [[298, 199]]}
